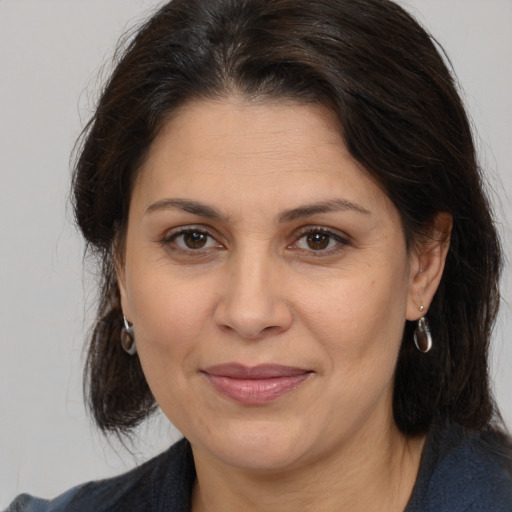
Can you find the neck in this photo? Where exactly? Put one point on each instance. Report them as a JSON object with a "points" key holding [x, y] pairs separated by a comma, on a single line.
{"points": [[376, 471]]}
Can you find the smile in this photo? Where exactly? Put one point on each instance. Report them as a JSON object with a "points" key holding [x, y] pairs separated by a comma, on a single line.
{"points": [[256, 385]]}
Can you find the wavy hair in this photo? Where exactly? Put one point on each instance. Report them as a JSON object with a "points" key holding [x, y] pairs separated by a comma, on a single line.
{"points": [[401, 117]]}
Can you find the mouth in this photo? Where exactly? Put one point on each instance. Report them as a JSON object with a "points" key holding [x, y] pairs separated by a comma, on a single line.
{"points": [[255, 385]]}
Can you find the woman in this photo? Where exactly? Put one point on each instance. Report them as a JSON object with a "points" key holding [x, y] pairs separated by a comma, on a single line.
{"points": [[299, 265]]}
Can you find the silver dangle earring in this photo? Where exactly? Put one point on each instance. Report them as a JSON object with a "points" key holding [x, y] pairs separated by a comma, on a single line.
{"points": [[422, 336], [128, 338]]}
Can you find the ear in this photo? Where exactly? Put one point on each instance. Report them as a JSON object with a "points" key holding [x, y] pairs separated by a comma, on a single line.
{"points": [[121, 280], [427, 259]]}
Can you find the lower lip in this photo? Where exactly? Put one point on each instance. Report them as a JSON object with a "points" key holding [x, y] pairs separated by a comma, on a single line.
{"points": [[256, 391]]}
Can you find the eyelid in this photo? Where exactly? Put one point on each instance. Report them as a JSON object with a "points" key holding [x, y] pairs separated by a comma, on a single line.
{"points": [[336, 233], [171, 234], [341, 238]]}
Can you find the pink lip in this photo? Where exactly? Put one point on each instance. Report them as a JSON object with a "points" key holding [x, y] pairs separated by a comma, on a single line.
{"points": [[257, 384]]}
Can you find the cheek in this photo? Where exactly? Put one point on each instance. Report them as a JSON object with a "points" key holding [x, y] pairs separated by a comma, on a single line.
{"points": [[169, 316], [168, 311], [359, 325], [360, 317]]}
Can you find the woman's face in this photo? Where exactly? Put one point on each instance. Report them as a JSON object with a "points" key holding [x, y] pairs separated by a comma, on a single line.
{"points": [[268, 282]]}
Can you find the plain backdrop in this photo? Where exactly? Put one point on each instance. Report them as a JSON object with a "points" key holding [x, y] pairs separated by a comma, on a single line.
{"points": [[51, 52]]}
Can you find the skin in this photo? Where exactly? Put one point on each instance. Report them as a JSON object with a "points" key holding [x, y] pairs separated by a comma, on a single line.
{"points": [[260, 279]]}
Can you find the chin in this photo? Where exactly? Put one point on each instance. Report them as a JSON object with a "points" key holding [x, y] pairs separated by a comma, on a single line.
{"points": [[258, 447]]}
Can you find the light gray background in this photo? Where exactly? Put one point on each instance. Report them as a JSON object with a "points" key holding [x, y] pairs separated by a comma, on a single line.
{"points": [[51, 52]]}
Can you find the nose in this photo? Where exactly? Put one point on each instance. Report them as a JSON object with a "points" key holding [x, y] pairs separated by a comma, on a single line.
{"points": [[252, 304]]}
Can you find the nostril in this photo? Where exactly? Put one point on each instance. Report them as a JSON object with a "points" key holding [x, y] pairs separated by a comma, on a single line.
{"points": [[250, 329], [255, 334], [272, 329]]}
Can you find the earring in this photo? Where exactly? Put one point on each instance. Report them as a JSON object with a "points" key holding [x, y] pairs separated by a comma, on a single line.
{"points": [[128, 338], [422, 336]]}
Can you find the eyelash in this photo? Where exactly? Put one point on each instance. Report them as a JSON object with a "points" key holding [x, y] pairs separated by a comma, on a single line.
{"points": [[341, 241], [170, 238], [169, 241]]}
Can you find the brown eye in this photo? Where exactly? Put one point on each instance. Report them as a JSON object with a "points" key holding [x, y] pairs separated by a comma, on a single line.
{"points": [[195, 239], [321, 241], [191, 242], [318, 241]]}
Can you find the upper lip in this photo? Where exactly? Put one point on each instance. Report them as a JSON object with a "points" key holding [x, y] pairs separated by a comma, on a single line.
{"points": [[262, 371]]}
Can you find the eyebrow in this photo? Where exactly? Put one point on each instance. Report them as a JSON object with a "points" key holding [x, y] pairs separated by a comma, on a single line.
{"points": [[308, 210], [333, 205], [186, 205]]}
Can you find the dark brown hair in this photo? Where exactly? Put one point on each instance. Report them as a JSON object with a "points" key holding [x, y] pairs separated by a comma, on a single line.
{"points": [[401, 117]]}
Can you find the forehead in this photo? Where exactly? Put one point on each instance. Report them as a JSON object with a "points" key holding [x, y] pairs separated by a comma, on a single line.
{"points": [[236, 128], [226, 149]]}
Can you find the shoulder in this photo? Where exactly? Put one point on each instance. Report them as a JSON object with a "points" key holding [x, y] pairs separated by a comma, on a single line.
{"points": [[164, 482], [463, 471]]}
